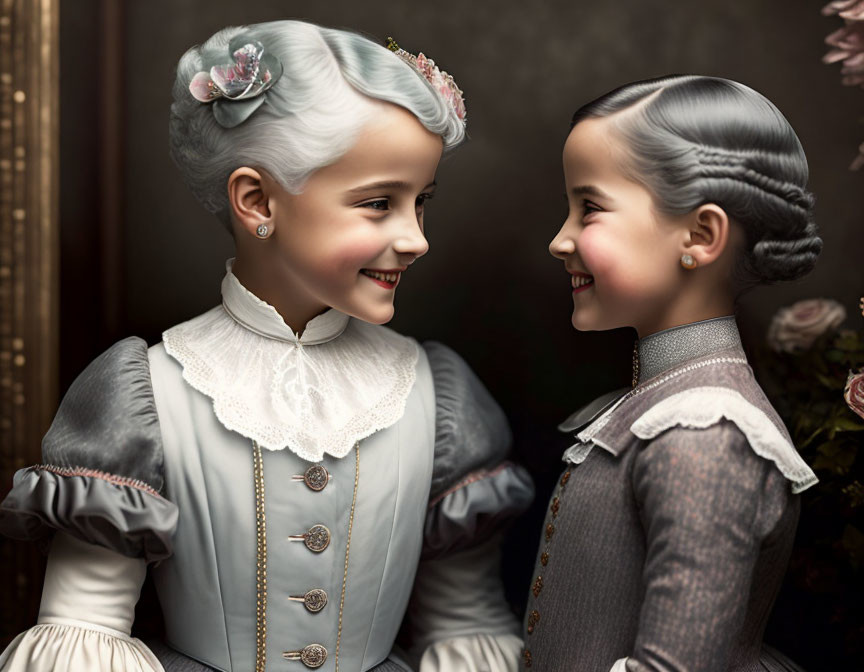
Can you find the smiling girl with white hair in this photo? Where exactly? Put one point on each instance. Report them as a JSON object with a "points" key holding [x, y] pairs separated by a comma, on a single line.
{"points": [[285, 461]]}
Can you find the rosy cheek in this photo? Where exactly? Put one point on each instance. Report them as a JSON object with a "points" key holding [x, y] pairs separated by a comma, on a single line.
{"points": [[597, 251], [355, 254], [616, 267]]}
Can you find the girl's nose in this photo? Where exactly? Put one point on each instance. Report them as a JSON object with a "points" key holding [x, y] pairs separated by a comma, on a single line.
{"points": [[411, 240], [563, 244]]}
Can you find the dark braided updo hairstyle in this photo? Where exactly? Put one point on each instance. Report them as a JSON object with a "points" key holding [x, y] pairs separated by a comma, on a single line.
{"points": [[693, 140]]}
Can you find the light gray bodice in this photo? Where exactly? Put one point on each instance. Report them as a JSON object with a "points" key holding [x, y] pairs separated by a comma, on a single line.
{"points": [[151, 455], [207, 588]]}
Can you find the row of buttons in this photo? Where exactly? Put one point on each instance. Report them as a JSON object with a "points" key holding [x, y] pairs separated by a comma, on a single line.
{"points": [[316, 539], [534, 615]]}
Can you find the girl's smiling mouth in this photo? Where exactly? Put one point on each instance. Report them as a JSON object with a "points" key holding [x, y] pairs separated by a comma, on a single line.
{"points": [[581, 281], [387, 278]]}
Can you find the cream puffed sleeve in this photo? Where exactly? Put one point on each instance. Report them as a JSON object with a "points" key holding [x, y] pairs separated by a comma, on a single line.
{"points": [[88, 604], [96, 502], [458, 618]]}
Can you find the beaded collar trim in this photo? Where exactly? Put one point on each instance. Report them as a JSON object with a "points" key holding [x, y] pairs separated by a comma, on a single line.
{"points": [[668, 348]]}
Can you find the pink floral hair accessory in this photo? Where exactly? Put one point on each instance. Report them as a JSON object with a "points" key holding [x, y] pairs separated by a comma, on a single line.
{"points": [[235, 88], [440, 80]]}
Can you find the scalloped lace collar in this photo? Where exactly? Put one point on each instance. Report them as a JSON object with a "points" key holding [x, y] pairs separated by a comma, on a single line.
{"points": [[341, 381]]}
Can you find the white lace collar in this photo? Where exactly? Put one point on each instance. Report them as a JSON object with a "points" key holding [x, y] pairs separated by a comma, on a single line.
{"points": [[341, 381]]}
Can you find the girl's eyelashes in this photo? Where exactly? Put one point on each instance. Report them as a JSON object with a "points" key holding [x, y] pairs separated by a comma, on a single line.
{"points": [[588, 207], [377, 204], [383, 204], [422, 198]]}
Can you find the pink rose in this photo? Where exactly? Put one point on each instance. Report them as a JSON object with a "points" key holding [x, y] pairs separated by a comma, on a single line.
{"points": [[851, 10], [796, 327], [854, 392]]}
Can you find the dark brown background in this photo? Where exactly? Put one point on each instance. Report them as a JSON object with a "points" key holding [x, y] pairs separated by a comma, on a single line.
{"points": [[488, 288]]}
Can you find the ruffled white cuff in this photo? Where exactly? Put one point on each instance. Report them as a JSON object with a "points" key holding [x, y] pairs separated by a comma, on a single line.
{"points": [[620, 665], [88, 603], [473, 653], [76, 646], [460, 619]]}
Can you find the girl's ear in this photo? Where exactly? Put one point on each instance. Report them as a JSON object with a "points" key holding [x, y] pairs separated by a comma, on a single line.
{"points": [[251, 204], [708, 234]]}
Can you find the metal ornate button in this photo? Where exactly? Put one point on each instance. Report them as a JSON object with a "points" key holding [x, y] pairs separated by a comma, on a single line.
{"points": [[526, 656], [311, 656], [314, 600], [565, 478], [550, 530], [317, 538], [556, 504], [544, 559], [316, 477]]}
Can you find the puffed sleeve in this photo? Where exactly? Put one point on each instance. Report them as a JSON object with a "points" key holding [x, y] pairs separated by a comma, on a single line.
{"points": [[459, 619], [707, 504], [475, 490], [96, 502], [101, 476]]}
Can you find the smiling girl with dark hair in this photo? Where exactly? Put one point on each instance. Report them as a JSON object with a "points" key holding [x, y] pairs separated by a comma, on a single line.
{"points": [[668, 535]]}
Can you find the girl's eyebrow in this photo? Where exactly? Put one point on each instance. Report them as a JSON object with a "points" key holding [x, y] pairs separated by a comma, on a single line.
{"points": [[590, 190], [387, 184]]}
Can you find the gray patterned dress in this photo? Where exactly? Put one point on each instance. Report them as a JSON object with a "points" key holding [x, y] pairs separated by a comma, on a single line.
{"points": [[668, 534]]}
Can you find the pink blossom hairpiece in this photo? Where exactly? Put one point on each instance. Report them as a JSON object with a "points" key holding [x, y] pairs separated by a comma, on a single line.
{"points": [[442, 82], [235, 88]]}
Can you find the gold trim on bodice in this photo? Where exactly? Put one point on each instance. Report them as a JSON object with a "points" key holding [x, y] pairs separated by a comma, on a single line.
{"points": [[312, 655]]}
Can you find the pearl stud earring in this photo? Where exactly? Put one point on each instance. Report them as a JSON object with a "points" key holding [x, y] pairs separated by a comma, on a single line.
{"points": [[688, 262], [262, 230]]}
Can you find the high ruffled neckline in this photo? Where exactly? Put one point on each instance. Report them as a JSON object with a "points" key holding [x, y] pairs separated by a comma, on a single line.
{"points": [[267, 386], [260, 317], [666, 349]]}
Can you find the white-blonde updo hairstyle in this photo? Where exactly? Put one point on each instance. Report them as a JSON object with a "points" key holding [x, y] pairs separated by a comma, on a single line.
{"points": [[311, 116]]}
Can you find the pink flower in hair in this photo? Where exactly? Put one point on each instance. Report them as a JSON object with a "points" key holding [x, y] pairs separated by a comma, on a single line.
{"points": [[440, 80]]}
